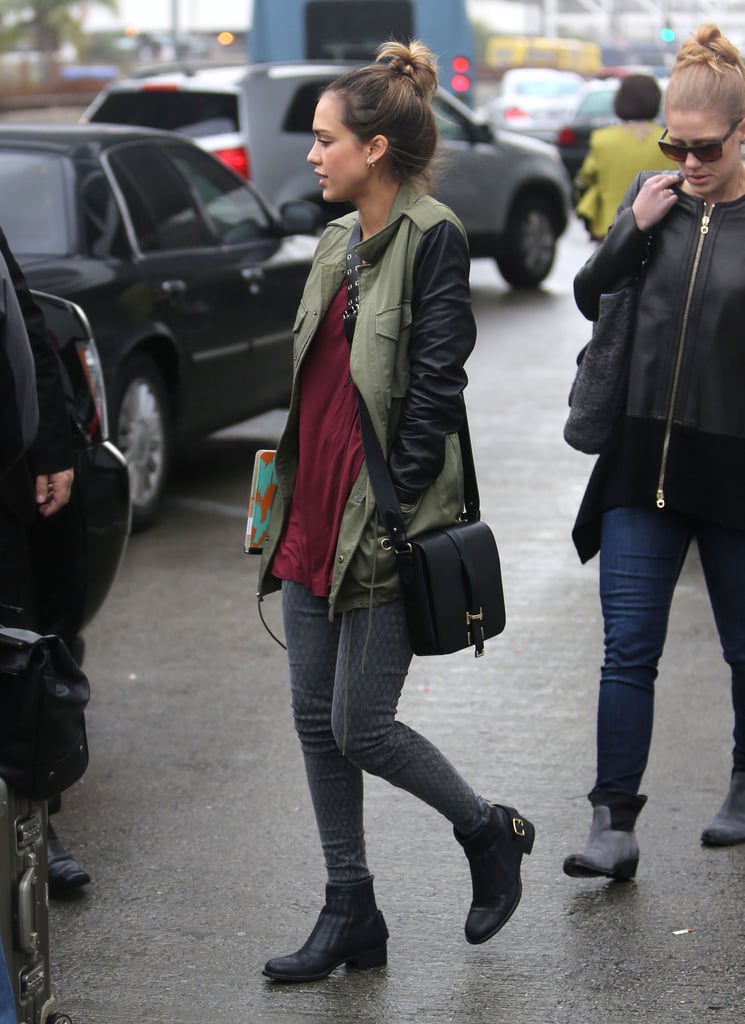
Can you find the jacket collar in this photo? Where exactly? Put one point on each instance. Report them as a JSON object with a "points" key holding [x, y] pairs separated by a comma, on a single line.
{"points": [[372, 248]]}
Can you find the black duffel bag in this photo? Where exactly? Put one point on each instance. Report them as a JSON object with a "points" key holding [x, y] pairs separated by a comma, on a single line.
{"points": [[43, 696]]}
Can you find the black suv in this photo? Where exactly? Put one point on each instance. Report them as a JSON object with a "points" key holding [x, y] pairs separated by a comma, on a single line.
{"points": [[511, 193]]}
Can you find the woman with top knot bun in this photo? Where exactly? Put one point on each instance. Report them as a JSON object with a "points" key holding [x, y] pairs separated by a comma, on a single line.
{"points": [[409, 330]]}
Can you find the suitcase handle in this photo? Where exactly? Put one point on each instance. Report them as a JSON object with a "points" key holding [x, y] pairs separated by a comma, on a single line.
{"points": [[28, 939]]}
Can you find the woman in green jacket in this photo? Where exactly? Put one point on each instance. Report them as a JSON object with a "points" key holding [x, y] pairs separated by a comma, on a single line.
{"points": [[347, 639], [619, 152]]}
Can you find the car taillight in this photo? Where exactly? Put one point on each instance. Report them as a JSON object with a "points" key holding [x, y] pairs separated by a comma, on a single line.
{"points": [[566, 136], [236, 158], [516, 114], [94, 418]]}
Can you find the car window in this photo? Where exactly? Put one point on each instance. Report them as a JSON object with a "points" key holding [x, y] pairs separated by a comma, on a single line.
{"points": [[34, 210], [597, 103], [299, 116], [546, 87], [102, 227], [193, 113], [451, 124], [163, 212], [232, 209]]}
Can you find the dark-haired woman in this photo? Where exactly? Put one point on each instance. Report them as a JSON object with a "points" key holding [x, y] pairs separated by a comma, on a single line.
{"points": [[348, 644], [675, 468], [618, 152]]}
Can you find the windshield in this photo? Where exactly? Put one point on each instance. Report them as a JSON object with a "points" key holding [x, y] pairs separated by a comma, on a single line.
{"points": [[191, 112]]}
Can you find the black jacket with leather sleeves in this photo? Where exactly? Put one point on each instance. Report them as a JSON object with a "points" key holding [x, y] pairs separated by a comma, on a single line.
{"points": [[681, 445], [443, 333]]}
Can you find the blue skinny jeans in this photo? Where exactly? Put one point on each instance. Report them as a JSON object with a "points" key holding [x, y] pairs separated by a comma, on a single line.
{"points": [[7, 1001], [641, 555]]}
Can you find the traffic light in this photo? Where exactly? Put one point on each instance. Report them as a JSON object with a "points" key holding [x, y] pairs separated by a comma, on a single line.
{"points": [[667, 33]]}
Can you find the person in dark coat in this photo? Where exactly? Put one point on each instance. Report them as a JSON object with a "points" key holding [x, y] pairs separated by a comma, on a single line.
{"points": [[37, 485], [673, 470]]}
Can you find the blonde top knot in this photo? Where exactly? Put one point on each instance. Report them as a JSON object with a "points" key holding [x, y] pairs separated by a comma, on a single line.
{"points": [[708, 75]]}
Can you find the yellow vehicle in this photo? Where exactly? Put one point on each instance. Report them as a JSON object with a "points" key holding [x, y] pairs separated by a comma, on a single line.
{"points": [[504, 52]]}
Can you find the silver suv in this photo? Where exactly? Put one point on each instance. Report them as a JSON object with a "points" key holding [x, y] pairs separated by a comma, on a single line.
{"points": [[511, 193]]}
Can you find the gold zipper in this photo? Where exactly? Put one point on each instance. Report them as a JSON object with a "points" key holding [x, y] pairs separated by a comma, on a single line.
{"points": [[703, 232]]}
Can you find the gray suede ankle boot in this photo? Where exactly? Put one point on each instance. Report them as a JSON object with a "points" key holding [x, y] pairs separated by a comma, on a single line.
{"points": [[727, 827], [611, 850]]}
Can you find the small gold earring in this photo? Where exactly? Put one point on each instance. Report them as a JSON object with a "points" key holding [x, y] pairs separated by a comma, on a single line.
{"points": [[371, 164]]}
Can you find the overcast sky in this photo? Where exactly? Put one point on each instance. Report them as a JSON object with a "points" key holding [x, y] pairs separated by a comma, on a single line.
{"points": [[197, 15], [206, 15]]}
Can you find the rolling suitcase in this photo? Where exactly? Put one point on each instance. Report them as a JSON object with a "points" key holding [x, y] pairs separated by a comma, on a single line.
{"points": [[24, 906]]}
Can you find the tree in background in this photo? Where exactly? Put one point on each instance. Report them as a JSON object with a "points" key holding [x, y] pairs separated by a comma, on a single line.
{"points": [[46, 25]]}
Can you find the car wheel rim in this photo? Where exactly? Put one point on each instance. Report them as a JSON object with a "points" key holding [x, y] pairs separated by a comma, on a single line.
{"points": [[537, 241], [141, 440]]}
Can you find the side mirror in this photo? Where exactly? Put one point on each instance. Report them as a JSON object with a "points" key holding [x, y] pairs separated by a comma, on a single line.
{"points": [[300, 217], [484, 132]]}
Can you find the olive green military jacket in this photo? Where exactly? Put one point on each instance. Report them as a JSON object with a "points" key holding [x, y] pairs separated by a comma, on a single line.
{"points": [[365, 571]]}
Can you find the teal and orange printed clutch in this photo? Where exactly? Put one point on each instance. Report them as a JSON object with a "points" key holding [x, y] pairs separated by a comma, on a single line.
{"points": [[261, 496]]}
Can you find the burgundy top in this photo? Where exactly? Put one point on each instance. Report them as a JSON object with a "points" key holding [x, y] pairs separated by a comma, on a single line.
{"points": [[329, 460]]}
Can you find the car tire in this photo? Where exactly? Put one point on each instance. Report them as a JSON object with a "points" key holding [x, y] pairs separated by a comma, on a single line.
{"points": [[528, 248], [141, 432]]}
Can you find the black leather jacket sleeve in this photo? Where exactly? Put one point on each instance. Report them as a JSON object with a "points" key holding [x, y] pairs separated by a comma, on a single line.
{"points": [[51, 452], [443, 334], [617, 260]]}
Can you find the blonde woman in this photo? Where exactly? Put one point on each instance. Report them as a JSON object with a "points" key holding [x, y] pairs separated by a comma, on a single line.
{"points": [[674, 471]]}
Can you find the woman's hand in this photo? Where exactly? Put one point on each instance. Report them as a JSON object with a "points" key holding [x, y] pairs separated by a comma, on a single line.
{"points": [[53, 491], [655, 200]]}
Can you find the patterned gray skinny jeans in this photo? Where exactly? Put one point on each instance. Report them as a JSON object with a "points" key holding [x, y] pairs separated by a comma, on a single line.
{"points": [[346, 678]]}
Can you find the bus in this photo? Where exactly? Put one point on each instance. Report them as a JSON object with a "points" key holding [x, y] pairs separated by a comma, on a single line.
{"points": [[502, 52], [335, 30]]}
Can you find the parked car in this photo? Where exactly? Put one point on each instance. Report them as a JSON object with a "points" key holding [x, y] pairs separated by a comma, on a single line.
{"points": [[533, 101], [594, 109], [188, 278], [511, 193], [77, 551]]}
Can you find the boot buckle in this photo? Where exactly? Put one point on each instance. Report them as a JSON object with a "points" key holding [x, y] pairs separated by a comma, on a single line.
{"points": [[518, 826]]}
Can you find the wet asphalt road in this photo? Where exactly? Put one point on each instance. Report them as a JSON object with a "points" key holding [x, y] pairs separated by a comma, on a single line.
{"points": [[193, 817]]}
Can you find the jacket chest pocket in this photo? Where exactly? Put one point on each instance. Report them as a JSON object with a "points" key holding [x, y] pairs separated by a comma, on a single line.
{"points": [[392, 335]]}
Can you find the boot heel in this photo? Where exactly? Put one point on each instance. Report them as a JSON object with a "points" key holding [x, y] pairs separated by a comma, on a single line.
{"points": [[626, 870], [370, 958]]}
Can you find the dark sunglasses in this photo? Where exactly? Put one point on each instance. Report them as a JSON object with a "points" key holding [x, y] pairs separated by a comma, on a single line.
{"points": [[707, 152]]}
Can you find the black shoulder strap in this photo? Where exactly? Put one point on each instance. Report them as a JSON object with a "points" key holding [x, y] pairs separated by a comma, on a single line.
{"points": [[386, 500]]}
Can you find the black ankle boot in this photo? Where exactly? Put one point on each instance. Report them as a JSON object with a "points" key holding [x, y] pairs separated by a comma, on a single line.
{"points": [[350, 929], [65, 874], [494, 854]]}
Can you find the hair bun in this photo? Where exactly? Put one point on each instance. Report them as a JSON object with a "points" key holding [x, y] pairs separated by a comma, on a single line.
{"points": [[414, 61]]}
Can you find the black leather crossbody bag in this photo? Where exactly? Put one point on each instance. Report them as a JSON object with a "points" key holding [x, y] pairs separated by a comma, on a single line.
{"points": [[451, 579]]}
